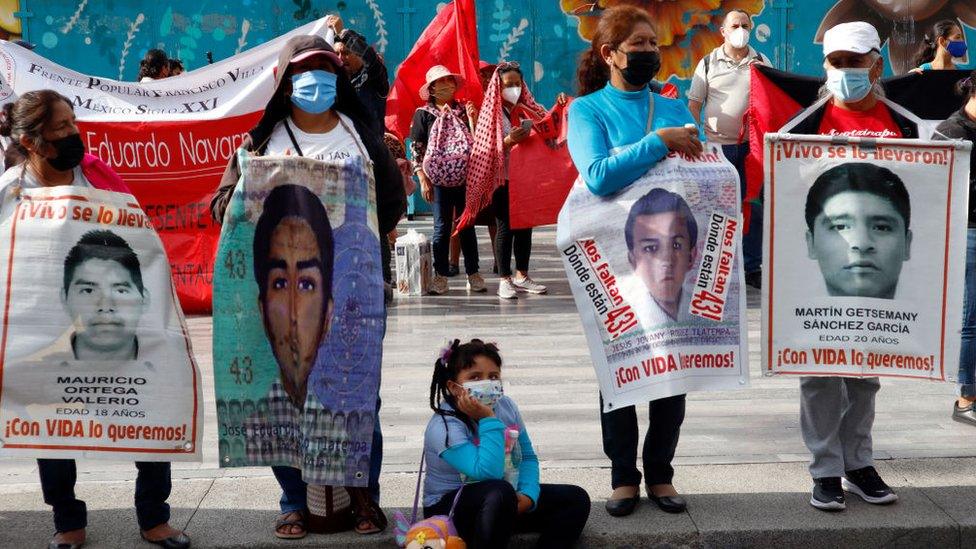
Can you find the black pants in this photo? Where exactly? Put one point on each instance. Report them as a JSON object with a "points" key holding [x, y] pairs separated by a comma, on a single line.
{"points": [[487, 514], [507, 240], [58, 478], [620, 436]]}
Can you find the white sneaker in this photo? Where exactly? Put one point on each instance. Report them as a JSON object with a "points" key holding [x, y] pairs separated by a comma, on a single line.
{"points": [[438, 285], [507, 290], [476, 283], [529, 285]]}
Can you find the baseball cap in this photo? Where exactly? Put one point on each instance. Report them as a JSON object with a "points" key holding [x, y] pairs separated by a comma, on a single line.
{"points": [[856, 36]]}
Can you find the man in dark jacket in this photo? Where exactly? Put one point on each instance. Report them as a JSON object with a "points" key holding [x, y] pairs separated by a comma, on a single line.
{"points": [[390, 199], [365, 68]]}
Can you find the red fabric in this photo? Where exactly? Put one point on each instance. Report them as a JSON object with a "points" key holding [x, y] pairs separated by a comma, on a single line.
{"points": [[451, 40], [102, 176], [486, 166], [669, 90], [541, 173], [876, 122], [769, 109]]}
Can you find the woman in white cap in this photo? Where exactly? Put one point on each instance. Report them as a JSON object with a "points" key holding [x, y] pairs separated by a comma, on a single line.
{"points": [[441, 145], [837, 413]]}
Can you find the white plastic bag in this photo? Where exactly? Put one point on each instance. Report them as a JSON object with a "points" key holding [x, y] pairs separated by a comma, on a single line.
{"points": [[414, 264]]}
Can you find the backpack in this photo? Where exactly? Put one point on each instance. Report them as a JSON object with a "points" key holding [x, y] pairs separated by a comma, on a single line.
{"points": [[449, 146]]}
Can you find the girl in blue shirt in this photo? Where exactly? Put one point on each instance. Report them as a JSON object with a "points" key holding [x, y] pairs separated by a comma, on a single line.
{"points": [[614, 138], [476, 442]]}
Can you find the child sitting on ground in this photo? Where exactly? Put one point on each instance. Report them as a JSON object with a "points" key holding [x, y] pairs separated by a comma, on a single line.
{"points": [[476, 442]]}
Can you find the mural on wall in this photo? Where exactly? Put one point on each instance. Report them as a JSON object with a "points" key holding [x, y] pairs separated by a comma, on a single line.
{"points": [[107, 38], [900, 23], [687, 30]]}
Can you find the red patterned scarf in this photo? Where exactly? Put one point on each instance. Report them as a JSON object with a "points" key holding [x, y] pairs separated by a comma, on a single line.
{"points": [[486, 166]]}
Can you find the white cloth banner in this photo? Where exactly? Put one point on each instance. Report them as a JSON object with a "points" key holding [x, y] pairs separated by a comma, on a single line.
{"points": [[95, 358], [864, 256], [657, 278]]}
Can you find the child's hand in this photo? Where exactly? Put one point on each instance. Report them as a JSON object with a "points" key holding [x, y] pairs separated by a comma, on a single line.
{"points": [[472, 408], [524, 504]]}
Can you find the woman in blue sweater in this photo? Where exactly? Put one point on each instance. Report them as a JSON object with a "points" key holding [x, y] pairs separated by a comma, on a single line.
{"points": [[476, 443], [618, 130]]}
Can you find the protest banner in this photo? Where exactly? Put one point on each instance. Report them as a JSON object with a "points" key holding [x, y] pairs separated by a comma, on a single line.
{"points": [[169, 139], [540, 172], [299, 318], [95, 358], [864, 246], [657, 277]]}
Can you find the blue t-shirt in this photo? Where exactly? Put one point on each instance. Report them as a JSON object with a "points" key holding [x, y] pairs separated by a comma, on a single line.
{"points": [[608, 138], [455, 455]]}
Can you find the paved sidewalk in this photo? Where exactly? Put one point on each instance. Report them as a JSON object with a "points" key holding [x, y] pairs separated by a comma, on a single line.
{"points": [[744, 505]]}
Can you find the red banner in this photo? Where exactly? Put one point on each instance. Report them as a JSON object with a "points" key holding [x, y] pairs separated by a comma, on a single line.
{"points": [[541, 173], [173, 169]]}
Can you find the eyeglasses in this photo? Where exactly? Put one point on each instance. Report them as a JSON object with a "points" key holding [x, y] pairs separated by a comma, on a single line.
{"points": [[507, 65]]}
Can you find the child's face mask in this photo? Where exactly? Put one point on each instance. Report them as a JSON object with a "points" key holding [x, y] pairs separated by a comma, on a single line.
{"points": [[486, 391]]}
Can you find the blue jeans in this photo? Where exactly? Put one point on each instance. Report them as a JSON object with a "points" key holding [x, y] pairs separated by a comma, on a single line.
{"points": [[294, 494], [448, 200], [967, 354], [751, 241], [58, 478]]}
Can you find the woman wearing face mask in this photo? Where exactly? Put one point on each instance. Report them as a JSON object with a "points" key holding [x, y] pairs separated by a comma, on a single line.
{"points": [[614, 138], [942, 45], [504, 122], [315, 112], [41, 125], [440, 140], [481, 467]]}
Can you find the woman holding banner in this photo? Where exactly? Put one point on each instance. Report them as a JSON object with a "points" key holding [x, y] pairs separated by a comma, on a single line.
{"points": [[41, 125], [505, 121], [962, 125], [618, 130], [315, 112]]}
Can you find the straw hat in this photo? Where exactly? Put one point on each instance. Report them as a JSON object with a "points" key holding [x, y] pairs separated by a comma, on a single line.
{"points": [[436, 73]]}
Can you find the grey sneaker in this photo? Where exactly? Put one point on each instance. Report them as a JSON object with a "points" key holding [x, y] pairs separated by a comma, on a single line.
{"points": [[476, 283], [528, 285], [438, 285], [506, 289]]}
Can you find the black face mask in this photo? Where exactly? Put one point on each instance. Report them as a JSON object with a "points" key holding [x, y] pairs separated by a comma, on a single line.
{"points": [[641, 68], [70, 149]]}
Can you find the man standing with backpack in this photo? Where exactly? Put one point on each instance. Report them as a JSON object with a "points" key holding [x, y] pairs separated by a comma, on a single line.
{"points": [[721, 85]]}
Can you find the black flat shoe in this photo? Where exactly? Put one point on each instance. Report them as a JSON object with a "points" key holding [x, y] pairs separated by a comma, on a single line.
{"points": [[179, 541], [669, 504], [622, 507]]}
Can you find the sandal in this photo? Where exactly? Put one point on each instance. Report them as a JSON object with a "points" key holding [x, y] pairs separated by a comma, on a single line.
{"points": [[283, 522], [370, 519]]}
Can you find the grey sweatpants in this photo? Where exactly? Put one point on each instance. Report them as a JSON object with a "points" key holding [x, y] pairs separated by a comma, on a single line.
{"points": [[836, 416]]}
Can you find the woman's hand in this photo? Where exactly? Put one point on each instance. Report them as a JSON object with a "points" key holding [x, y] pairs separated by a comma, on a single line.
{"points": [[562, 99], [471, 407], [334, 22], [524, 504], [426, 188], [683, 140], [516, 136]]}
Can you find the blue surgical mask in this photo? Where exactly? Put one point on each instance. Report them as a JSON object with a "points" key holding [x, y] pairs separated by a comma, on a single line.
{"points": [[956, 48], [849, 85], [313, 91], [486, 391]]}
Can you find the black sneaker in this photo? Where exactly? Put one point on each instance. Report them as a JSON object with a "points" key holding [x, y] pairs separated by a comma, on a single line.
{"points": [[868, 484], [964, 414], [754, 279], [453, 270], [828, 494]]}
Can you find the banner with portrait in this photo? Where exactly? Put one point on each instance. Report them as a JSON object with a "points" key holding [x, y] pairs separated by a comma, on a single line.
{"points": [[865, 255], [299, 318], [95, 358], [656, 274]]}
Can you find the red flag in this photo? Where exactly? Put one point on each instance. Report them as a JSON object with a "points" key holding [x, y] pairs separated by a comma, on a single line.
{"points": [[451, 40]]}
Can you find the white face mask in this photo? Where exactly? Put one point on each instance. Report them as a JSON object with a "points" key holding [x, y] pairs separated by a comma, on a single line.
{"points": [[512, 94], [739, 38]]}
